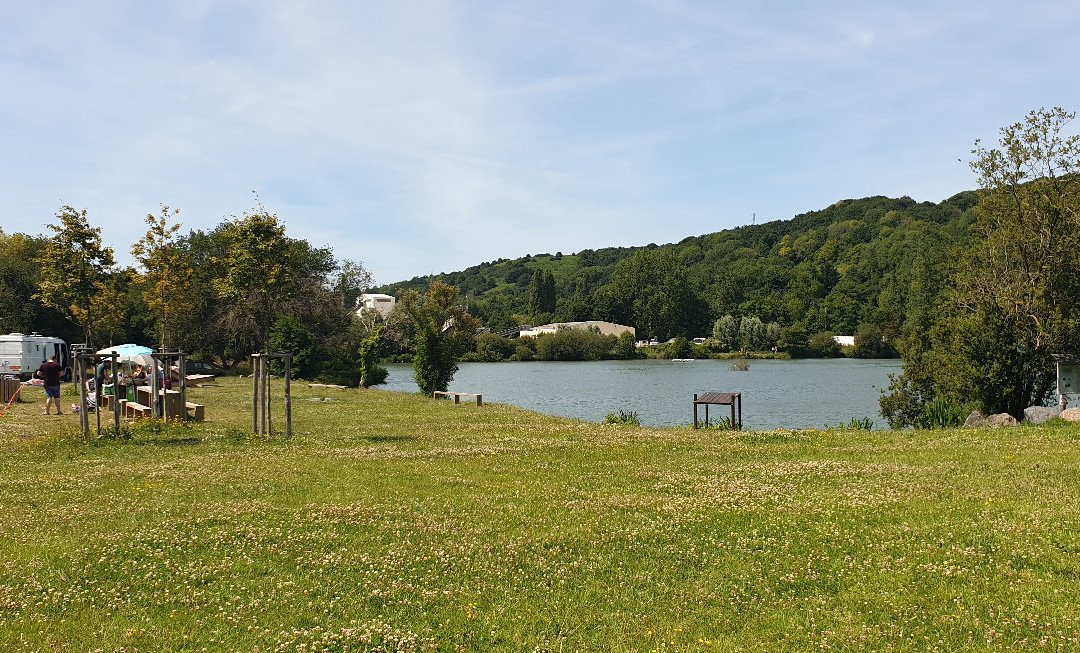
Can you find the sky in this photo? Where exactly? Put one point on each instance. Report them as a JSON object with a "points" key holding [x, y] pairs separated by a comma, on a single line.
{"points": [[421, 137]]}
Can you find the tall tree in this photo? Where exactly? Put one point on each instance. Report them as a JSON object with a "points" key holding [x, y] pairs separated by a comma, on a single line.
{"points": [[442, 332], [1015, 299], [167, 275], [75, 268]]}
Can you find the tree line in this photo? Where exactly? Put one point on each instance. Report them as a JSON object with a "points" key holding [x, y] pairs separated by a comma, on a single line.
{"points": [[976, 293], [221, 294]]}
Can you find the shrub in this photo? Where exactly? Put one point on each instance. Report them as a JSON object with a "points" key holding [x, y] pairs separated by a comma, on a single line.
{"points": [[623, 418], [574, 345], [823, 345], [941, 413]]}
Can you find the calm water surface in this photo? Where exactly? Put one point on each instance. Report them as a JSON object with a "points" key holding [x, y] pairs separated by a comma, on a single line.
{"points": [[775, 394]]}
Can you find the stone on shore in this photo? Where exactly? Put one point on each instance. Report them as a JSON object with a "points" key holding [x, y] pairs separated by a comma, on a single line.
{"points": [[975, 420], [1071, 415], [1001, 419], [1040, 414]]}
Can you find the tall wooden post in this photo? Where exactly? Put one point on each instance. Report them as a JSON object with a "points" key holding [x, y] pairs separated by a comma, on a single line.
{"points": [[155, 403], [255, 394], [84, 419], [288, 397], [115, 403], [268, 430], [181, 364]]}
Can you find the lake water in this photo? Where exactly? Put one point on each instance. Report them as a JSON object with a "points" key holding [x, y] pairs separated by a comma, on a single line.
{"points": [[775, 393]]}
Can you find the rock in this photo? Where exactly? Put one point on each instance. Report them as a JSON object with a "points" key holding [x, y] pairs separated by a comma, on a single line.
{"points": [[1071, 415], [1001, 419], [1040, 414], [975, 420]]}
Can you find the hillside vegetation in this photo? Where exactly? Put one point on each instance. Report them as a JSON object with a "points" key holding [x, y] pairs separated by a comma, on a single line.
{"points": [[393, 522], [876, 261]]}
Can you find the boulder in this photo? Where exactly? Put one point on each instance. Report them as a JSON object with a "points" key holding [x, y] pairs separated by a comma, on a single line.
{"points": [[1071, 415], [975, 420], [1040, 414], [1001, 419]]}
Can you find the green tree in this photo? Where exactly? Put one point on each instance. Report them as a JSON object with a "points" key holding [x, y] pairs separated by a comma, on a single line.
{"points": [[75, 268], [823, 345], [288, 334], [442, 332], [626, 347], [541, 297], [370, 348], [257, 274], [1014, 300], [752, 333], [167, 275], [868, 342], [726, 332], [20, 311]]}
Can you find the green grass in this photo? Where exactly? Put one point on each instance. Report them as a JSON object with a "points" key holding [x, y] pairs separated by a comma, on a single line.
{"points": [[396, 522]]}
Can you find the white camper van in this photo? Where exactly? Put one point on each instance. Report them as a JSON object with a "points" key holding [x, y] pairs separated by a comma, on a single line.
{"points": [[21, 355]]}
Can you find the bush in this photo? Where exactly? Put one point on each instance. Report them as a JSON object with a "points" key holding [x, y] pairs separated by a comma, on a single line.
{"points": [[823, 345], [942, 413], [623, 418], [491, 347], [574, 345], [678, 348]]}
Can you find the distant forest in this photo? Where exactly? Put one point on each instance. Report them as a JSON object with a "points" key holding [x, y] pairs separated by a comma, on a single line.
{"points": [[874, 261], [874, 268]]}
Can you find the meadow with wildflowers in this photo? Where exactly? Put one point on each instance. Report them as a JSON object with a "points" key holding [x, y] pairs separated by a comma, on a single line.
{"points": [[393, 522]]}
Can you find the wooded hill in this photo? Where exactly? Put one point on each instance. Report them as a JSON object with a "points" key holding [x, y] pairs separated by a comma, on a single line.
{"points": [[873, 261]]}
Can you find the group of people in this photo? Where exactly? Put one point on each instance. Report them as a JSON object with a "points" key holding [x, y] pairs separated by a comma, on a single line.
{"points": [[51, 372]]}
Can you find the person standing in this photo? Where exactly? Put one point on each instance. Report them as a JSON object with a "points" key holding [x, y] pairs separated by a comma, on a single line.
{"points": [[49, 373]]}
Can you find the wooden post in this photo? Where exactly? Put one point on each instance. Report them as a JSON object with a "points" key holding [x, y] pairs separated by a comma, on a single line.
{"points": [[267, 397], [255, 394], [181, 364], [116, 395], [84, 419], [288, 396], [97, 398], [154, 403], [695, 411]]}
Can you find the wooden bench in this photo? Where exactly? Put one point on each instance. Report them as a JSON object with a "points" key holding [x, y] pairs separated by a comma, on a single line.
{"points": [[135, 409], [457, 396], [198, 411]]}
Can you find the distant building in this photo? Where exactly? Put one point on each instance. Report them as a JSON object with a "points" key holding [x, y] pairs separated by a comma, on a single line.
{"points": [[606, 328], [375, 302], [845, 341]]}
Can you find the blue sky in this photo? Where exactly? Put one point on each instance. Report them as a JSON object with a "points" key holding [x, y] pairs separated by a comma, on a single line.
{"points": [[423, 137]]}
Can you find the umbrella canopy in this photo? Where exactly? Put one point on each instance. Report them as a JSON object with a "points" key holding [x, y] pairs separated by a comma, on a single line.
{"points": [[131, 353]]}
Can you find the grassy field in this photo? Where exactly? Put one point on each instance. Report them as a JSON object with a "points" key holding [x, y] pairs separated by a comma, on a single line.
{"points": [[393, 522]]}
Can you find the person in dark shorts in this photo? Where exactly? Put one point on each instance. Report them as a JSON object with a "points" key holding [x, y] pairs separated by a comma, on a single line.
{"points": [[49, 373]]}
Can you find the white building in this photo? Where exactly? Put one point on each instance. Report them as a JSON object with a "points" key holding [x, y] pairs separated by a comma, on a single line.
{"points": [[376, 302], [845, 341], [606, 328]]}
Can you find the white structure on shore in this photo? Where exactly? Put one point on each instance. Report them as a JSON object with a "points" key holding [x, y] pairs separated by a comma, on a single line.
{"points": [[606, 328], [376, 302]]}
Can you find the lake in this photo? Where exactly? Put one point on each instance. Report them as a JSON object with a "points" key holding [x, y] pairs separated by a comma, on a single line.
{"points": [[775, 393]]}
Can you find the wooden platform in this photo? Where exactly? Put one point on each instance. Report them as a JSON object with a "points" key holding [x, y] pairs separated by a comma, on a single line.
{"points": [[722, 399]]}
